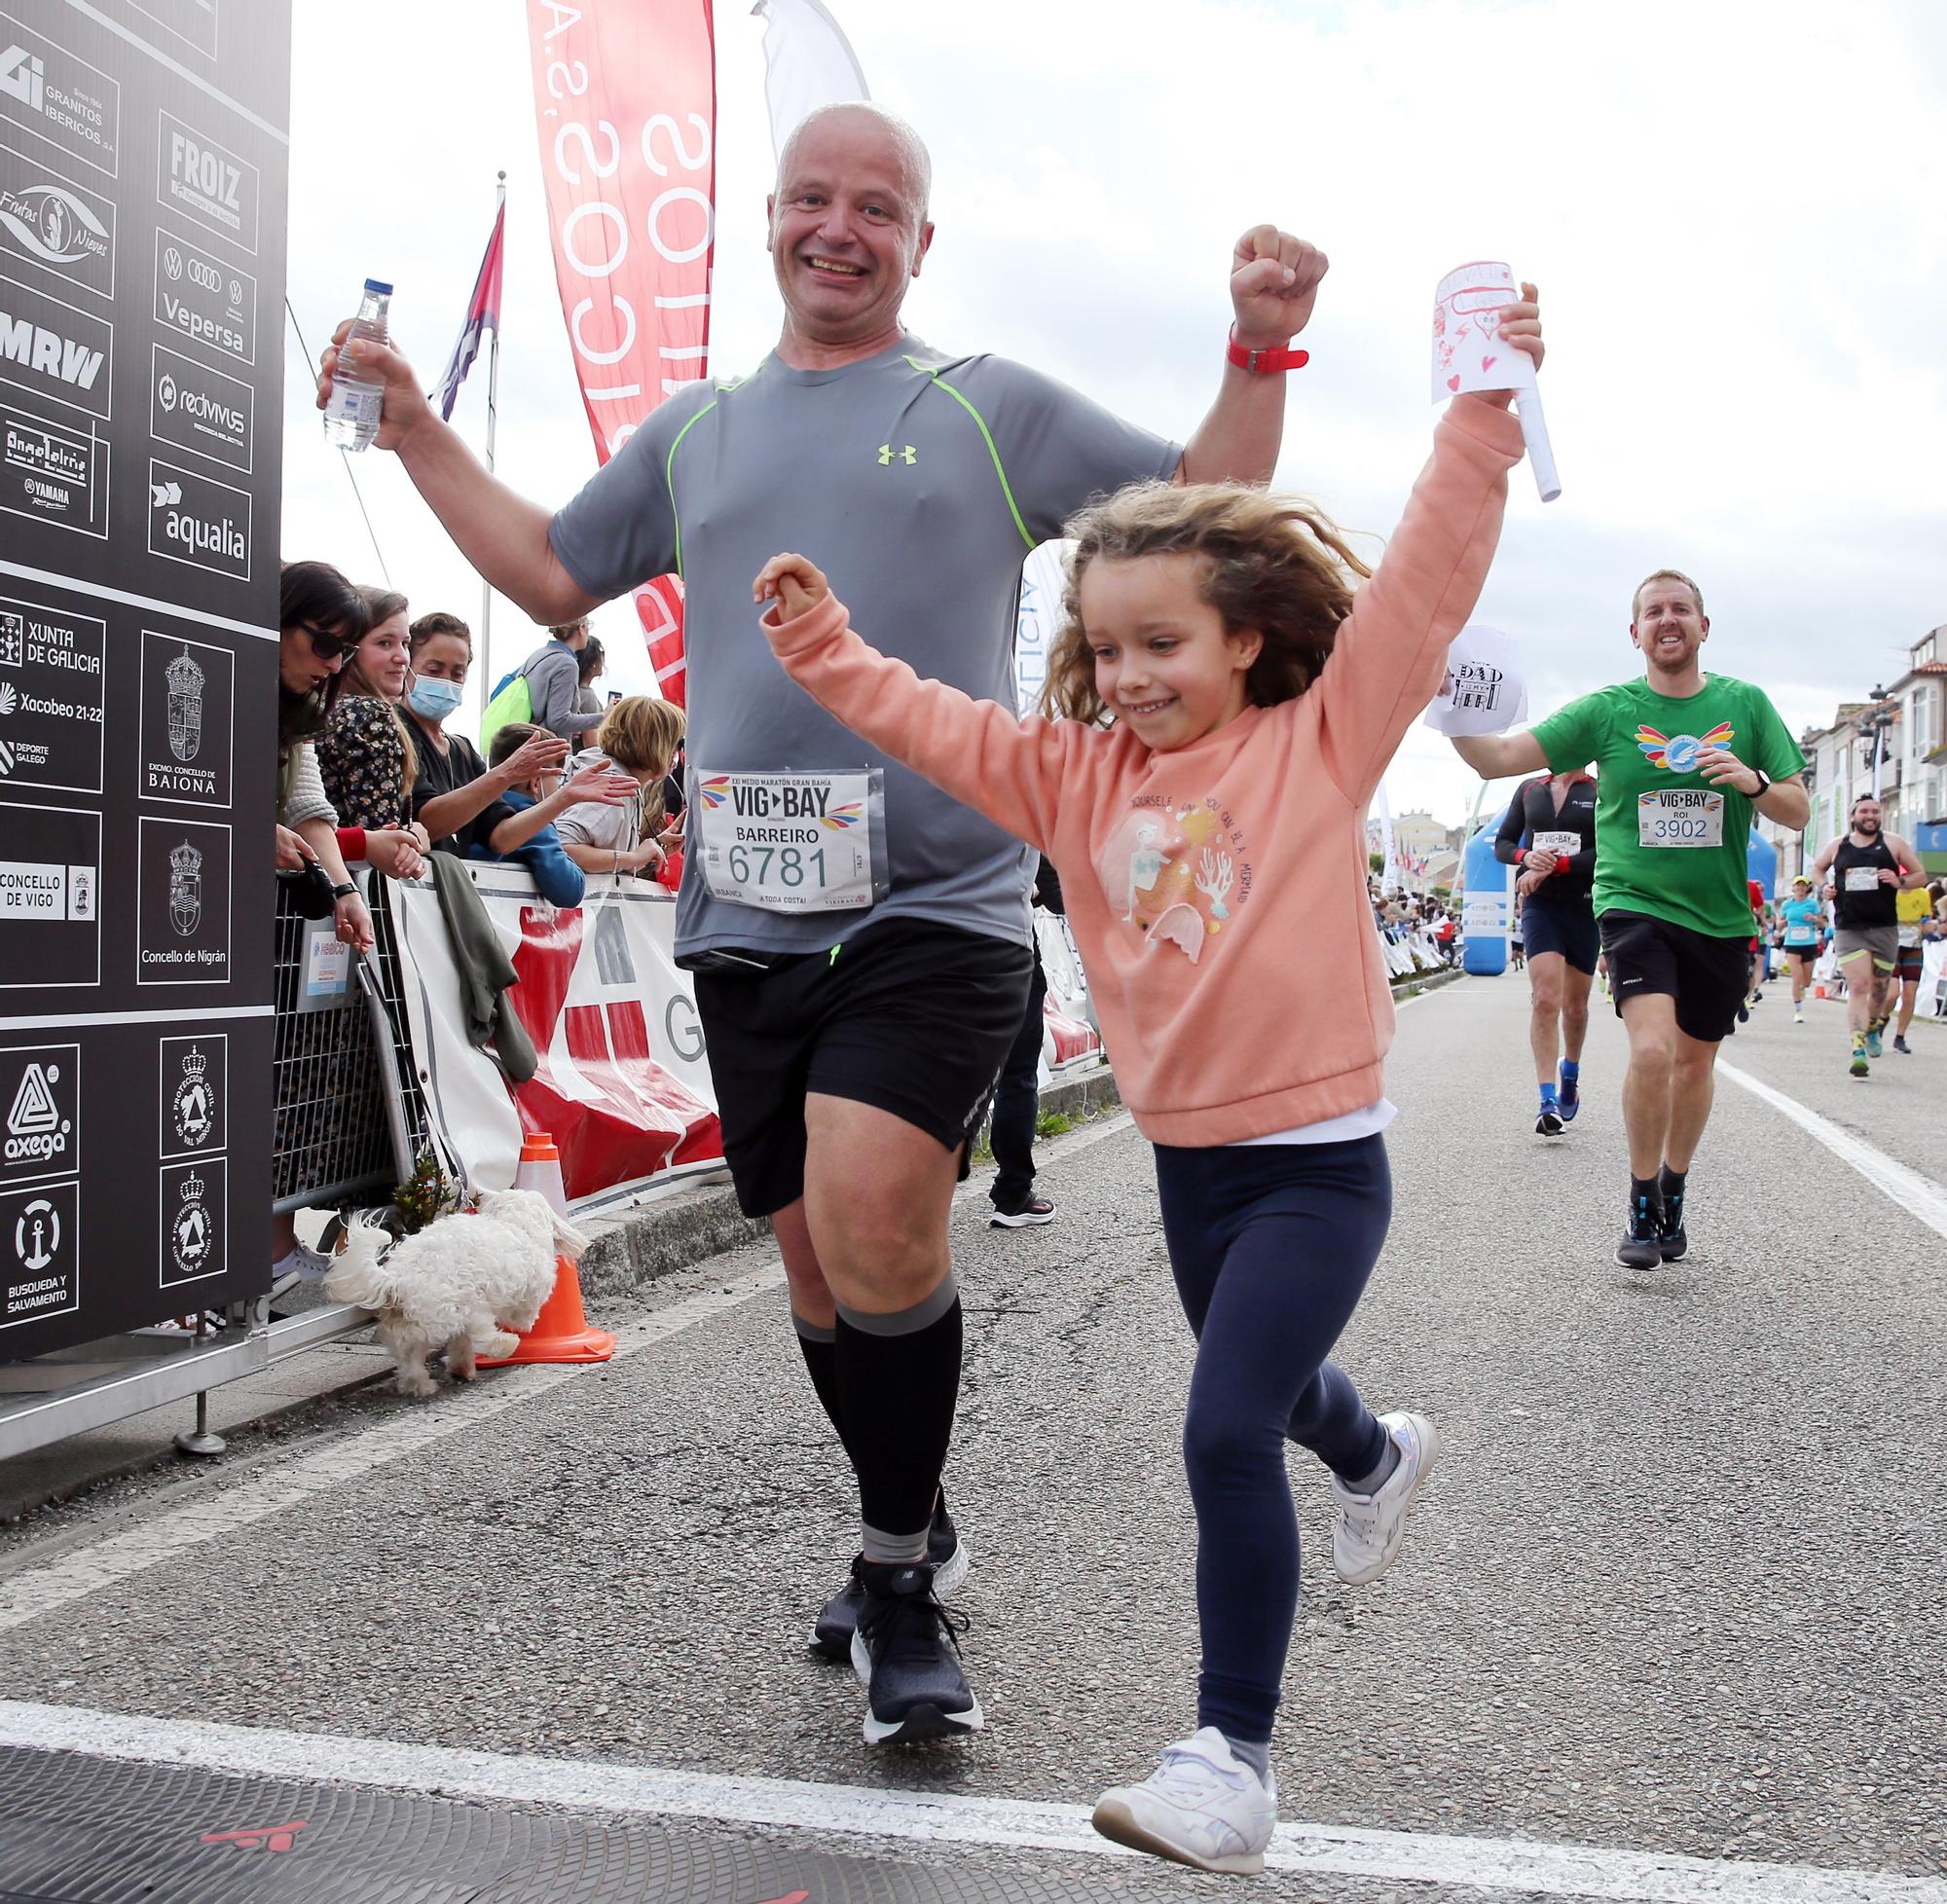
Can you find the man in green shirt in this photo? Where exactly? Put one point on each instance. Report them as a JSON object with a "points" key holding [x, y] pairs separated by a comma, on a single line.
{"points": [[1682, 761]]}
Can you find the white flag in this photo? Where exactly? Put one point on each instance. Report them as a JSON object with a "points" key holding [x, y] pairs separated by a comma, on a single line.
{"points": [[1483, 691], [808, 63]]}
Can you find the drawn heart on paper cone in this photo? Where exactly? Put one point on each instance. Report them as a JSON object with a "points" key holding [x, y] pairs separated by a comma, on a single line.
{"points": [[1453, 381], [1488, 363]]}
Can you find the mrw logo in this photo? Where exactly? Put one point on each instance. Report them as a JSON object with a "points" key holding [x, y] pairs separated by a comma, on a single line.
{"points": [[905, 453]]}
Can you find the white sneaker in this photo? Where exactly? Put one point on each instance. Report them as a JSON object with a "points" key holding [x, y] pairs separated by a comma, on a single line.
{"points": [[1202, 1805], [298, 1265], [1367, 1535]]}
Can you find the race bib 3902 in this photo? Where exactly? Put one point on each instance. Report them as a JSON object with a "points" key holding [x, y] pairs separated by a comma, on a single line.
{"points": [[809, 842], [1680, 815]]}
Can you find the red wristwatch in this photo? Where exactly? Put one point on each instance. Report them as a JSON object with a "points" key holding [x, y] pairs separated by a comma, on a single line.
{"points": [[1263, 363]]}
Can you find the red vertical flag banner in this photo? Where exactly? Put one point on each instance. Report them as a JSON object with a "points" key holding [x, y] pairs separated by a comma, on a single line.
{"points": [[625, 96]]}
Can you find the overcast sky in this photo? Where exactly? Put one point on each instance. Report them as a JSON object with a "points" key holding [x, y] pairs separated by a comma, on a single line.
{"points": [[1733, 208]]}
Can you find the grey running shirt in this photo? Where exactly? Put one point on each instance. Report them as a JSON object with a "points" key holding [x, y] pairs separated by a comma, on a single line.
{"points": [[918, 483]]}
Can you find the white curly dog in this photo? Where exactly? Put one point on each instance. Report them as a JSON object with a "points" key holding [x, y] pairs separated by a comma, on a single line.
{"points": [[461, 1284]]}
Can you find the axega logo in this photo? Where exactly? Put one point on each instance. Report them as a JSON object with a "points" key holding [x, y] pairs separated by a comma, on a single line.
{"points": [[23, 342], [36, 1130]]}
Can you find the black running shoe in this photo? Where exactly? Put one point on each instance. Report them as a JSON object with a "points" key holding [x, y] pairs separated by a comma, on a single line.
{"points": [[1549, 1123], [906, 1649], [838, 1618], [1673, 1242], [832, 1633], [1639, 1248], [1035, 1211]]}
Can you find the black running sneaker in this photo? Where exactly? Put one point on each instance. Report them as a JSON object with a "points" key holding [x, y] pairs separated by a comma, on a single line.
{"points": [[1673, 1241], [838, 1618], [1035, 1211], [832, 1633], [906, 1649], [1640, 1247], [1549, 1122]]}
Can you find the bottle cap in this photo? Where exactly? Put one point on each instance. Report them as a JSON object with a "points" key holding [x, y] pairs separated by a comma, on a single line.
{"points": [[373, 284]]}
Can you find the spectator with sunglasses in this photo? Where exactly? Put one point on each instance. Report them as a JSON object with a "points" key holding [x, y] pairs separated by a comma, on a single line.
{"points": [[320, 619]]}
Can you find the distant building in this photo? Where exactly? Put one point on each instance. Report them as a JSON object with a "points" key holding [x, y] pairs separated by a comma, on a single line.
{"points": [[1901, 736]]}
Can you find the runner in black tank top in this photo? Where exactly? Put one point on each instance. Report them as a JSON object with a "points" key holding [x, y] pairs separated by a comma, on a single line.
{"points": [[1548, 835], [1867, 869]]}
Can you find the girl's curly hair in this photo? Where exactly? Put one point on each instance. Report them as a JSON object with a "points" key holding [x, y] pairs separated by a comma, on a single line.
{"points": [[1269, 563]]}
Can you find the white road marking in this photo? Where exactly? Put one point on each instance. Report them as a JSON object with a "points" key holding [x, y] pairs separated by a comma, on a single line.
{"points": [[934, 1819], [1918, 1195], [35, 1591]]}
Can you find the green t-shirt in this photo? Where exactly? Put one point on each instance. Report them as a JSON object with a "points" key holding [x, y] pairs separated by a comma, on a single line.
{"points": [[1667, 842]]}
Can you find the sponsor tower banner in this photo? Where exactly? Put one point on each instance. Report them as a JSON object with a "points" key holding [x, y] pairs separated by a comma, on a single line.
{"points": [[142, 231]]}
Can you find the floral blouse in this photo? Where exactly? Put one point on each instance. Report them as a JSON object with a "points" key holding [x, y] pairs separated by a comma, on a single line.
{"points": [[364, 764]]}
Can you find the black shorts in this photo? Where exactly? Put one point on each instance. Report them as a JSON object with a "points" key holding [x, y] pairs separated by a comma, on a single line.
{"points": [[1567, 928], [912, 1017], [1710, 978]]}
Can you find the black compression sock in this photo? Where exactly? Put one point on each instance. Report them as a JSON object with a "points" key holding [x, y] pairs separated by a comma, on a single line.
{"points": [[898, 1380], [1646, 1187], [1670, 1182], [821, 1362]]}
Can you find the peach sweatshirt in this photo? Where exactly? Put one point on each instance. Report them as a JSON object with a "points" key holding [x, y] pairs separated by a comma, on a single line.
{"points": [[1218, 893]]}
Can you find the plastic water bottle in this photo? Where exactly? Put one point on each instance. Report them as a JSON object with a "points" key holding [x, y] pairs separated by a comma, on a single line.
{"points": [[352, 411]]}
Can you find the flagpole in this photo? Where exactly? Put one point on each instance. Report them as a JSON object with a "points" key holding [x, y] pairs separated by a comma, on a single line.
{"points": [[486, 669]]}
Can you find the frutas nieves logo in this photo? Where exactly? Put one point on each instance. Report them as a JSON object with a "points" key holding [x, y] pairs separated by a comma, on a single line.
{"points": [[23, 342], [54, 224]]}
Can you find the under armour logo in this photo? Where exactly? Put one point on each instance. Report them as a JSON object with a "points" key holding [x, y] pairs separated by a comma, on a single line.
{"points": [[906, 455]]}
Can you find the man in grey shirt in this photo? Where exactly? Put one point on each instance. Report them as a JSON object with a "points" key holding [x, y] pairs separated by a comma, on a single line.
{"points": [[860, 944]]}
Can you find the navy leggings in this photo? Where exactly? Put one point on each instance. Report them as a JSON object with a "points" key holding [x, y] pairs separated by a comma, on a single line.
{"points": [[1271, 1246]]}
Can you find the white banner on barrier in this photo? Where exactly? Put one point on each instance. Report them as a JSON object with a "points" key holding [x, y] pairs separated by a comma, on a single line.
{"points": [[623, 1083]]}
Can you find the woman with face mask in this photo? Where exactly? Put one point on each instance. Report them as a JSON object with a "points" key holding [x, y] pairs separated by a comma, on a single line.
{"points": [[365, 754], [456, 797]]}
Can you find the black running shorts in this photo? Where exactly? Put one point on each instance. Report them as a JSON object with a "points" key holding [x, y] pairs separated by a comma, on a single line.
{"points": [[1709, 977], [912, 1017], [1567, 927]]}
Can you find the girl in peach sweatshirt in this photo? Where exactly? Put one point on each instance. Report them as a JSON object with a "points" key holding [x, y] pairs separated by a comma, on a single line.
{"points": [[1226, 704]]}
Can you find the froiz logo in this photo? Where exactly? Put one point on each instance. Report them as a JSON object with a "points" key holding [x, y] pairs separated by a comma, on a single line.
{"points": [[49, 353], [23, 76], [55, 225], [206, 172]]}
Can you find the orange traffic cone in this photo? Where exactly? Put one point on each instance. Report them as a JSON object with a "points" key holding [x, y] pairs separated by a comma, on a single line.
{"points": [[561, 1332]]}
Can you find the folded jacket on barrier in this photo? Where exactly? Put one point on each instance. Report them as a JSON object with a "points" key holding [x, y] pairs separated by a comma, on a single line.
{"points": [[486, 973]]}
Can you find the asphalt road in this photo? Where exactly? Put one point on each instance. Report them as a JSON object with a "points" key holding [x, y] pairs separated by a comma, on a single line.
{"points": [[1677, 1587]]}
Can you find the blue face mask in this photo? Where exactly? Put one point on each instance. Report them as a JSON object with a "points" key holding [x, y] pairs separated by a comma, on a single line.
{"points": [[434, 699]]}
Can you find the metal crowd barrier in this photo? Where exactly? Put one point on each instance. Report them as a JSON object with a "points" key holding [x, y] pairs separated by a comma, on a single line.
{"points": [[350, 1121]]}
